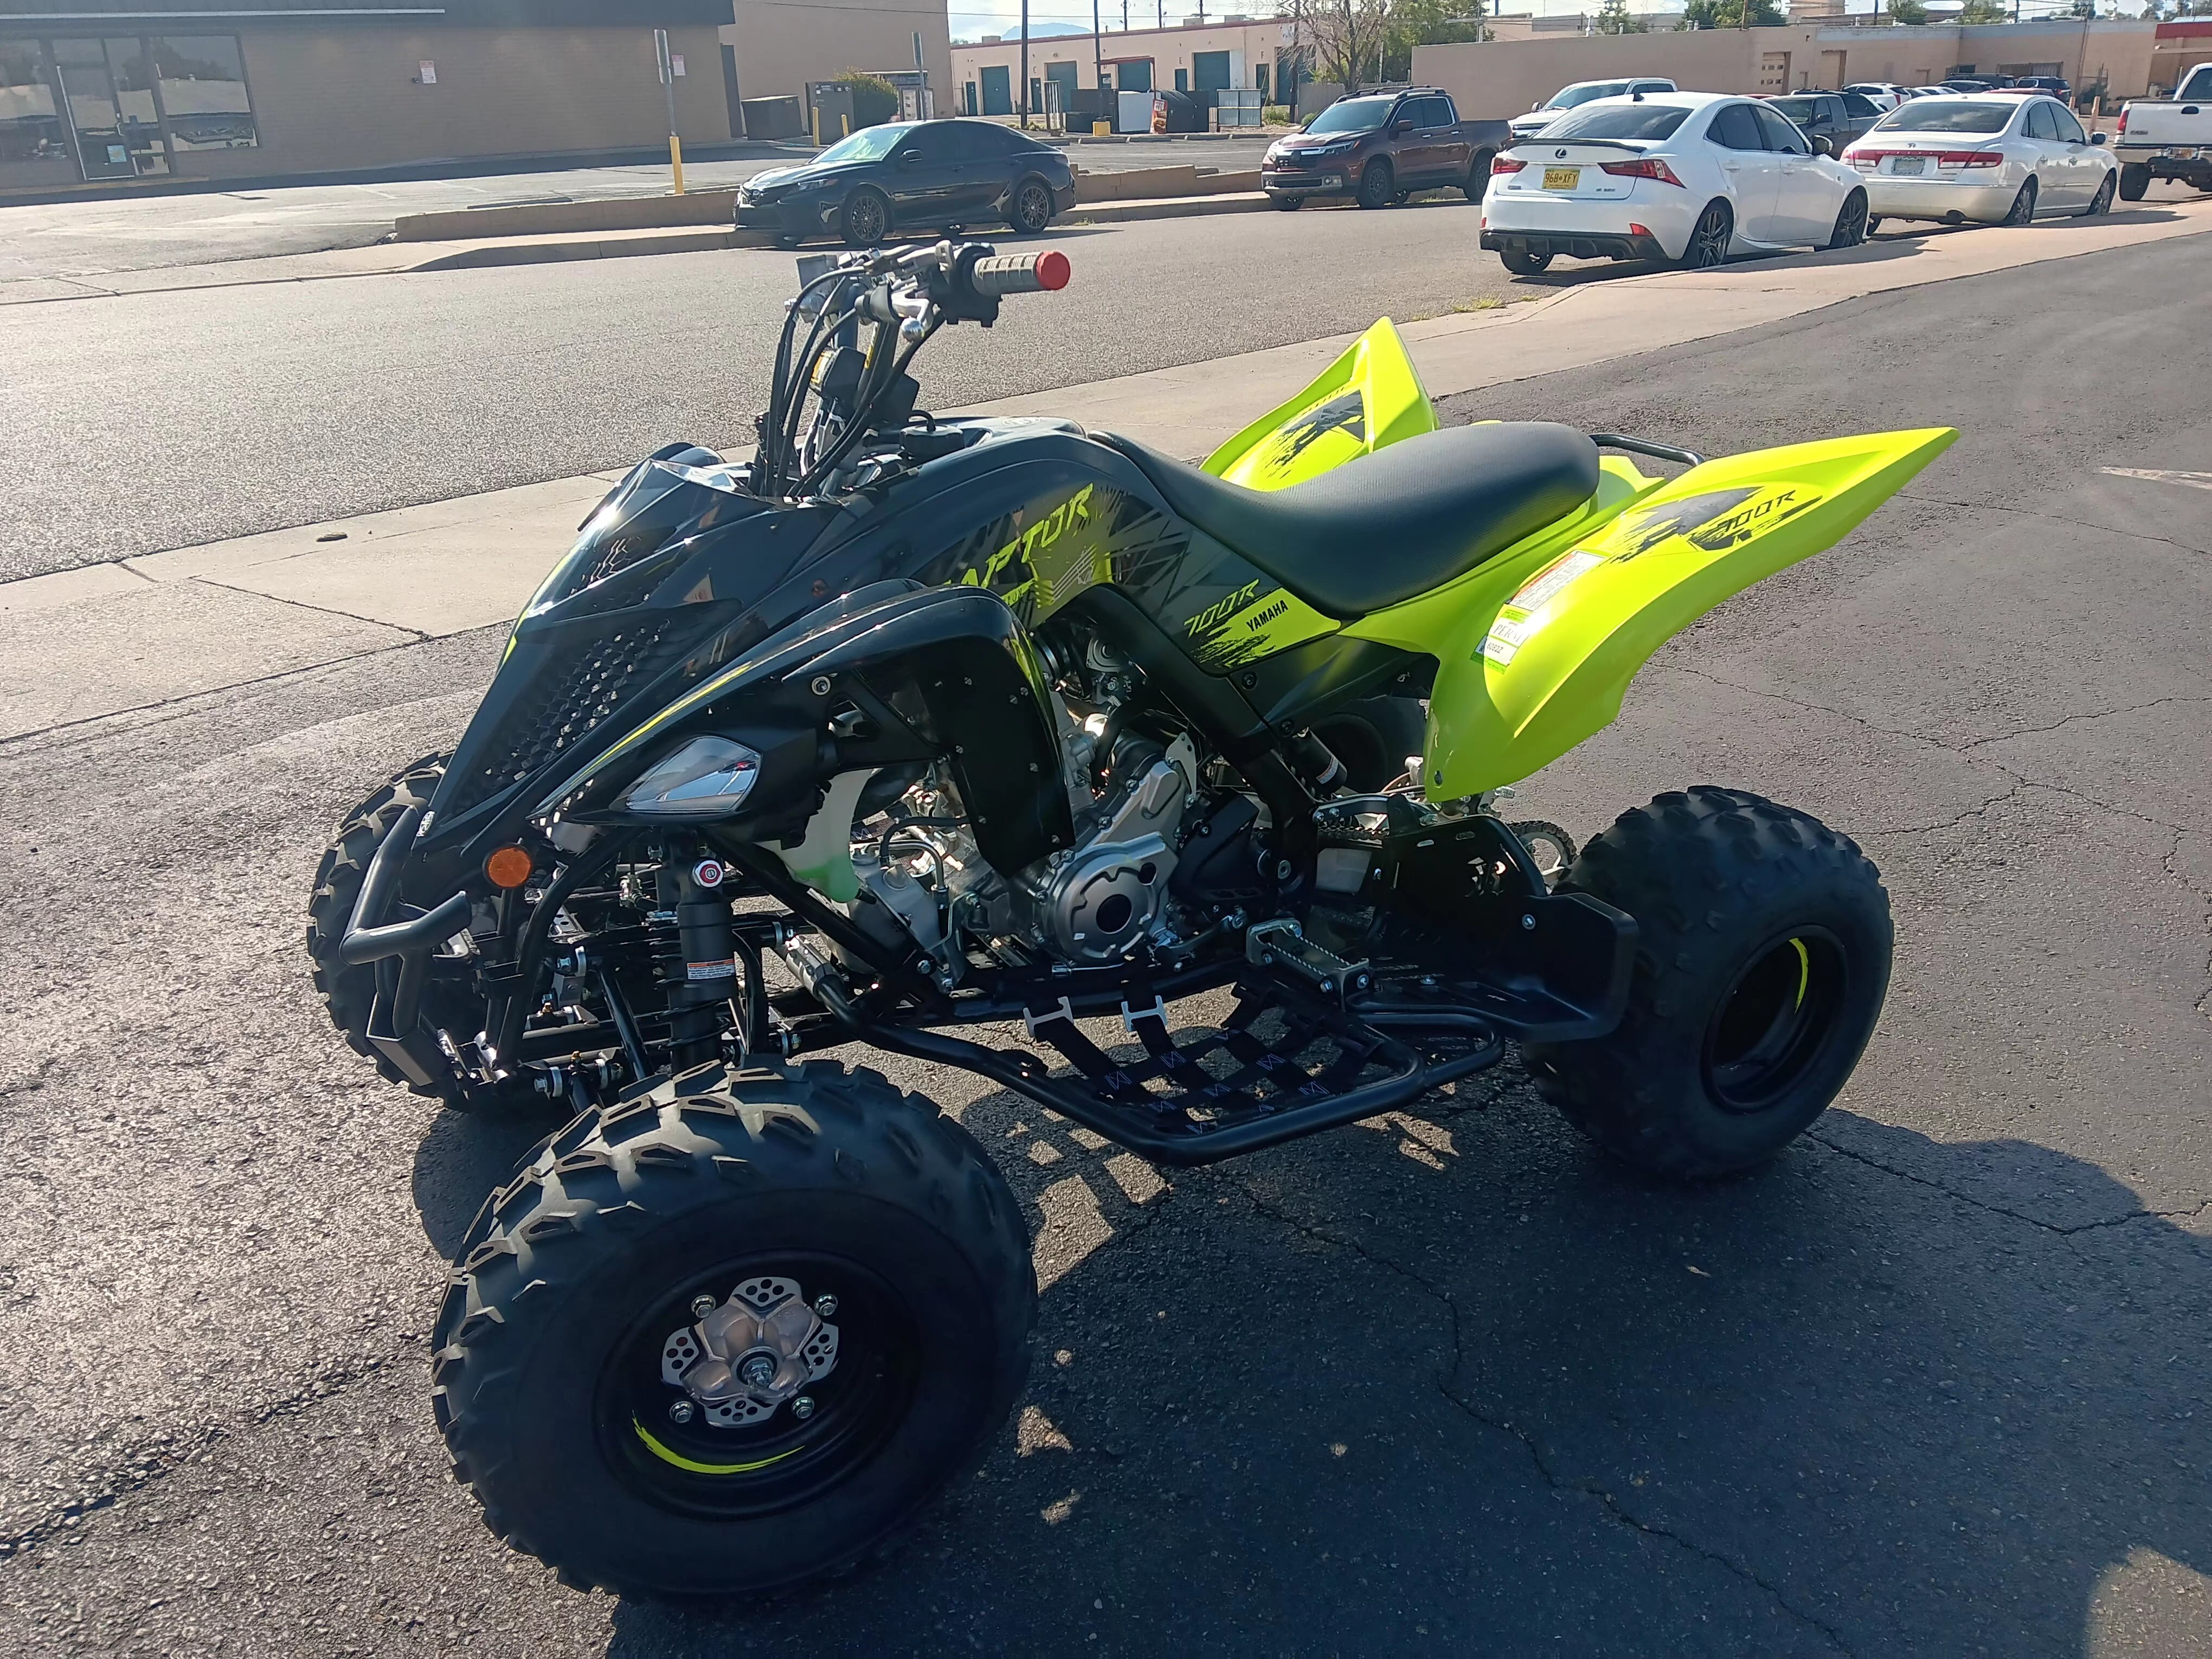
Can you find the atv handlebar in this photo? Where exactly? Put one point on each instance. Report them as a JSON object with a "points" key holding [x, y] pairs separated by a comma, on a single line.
{"points": [[1021, 273]]}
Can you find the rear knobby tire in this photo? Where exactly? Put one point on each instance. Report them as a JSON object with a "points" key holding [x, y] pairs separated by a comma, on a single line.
{"points": [[548, 1345], [1762, 959], [349, 994]]}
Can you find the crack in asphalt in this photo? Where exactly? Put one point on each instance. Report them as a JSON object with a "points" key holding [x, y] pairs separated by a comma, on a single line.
{"points": [[2049, 518], [2092, 714], [1984, 1205], [1607, 1502], [2169, 862], [135, 1468]]}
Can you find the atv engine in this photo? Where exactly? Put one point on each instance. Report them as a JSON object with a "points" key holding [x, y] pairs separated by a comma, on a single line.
{"points": [[1090, 904]]}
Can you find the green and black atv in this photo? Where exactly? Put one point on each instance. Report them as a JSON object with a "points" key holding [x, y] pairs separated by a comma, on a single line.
{"points": [[913, 727]]}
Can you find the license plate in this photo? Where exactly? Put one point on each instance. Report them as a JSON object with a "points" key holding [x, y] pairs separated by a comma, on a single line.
{"points": [[1908, 164], [1562, 177]]}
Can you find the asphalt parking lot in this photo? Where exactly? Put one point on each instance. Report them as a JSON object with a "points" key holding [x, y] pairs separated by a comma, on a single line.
{"points": [[1936, 1382]]}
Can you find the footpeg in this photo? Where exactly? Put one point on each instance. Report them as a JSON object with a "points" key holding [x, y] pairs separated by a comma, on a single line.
{"points": [[1283, 944]]}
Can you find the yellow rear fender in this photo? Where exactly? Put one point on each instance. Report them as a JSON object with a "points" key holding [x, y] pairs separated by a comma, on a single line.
{"points": [[1536, 647], [1368, 397]]}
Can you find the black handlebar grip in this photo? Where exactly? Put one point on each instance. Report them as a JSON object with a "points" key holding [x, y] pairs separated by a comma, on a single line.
{"points": [[1021, 273]]}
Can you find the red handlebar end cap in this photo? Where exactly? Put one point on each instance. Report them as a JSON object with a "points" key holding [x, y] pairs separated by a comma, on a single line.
{"points": [[1053, 270]]}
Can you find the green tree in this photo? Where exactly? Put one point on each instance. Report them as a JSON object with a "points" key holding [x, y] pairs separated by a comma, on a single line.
{"points": [[1732, 15], [1413, 23], [1614, 17], [1984, 11], [875, 100], [1907, 12]]}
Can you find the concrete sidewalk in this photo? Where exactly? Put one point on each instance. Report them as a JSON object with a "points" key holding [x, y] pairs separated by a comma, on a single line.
{"points": [[109, 640]]}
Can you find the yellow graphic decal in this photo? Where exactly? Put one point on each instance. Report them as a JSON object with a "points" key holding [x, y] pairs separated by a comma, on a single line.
{"points": [[683, 1462], [1072, 513], [1221, 609]]}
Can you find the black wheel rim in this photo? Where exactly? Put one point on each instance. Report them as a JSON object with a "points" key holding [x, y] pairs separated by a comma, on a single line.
{"points": [[1710, 239], [695, 1468], [1775, 1021], [865, 218]]}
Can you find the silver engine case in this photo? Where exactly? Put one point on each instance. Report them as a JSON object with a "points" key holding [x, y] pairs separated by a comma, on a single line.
{"points": [[1095, 902]]}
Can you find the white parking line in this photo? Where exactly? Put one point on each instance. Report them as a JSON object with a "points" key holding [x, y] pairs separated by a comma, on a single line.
{"points": [[2193, 480]]}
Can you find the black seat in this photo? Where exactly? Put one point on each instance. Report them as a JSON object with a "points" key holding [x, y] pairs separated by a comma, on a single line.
{"points": [[1394, 524]]}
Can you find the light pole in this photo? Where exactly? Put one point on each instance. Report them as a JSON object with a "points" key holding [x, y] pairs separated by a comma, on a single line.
{"points": [[1025, 65]]}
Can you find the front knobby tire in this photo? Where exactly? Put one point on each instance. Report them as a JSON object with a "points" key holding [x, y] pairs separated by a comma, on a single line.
{"points": [[349, 993], [548, 1379], [1762, 959]]}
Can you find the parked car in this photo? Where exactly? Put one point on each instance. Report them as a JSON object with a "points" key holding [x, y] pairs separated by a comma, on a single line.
{"points": [[1976, 82], [2051, 86], [1380, 150], [1990, 158], [1689, 177], [1837, 117], [1929, 92], [1581, 92], [1884, 96], [2169, 138], [904, 175]]}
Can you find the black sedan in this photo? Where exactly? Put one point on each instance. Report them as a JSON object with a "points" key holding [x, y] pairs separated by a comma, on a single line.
{"points": [[907, 174]]}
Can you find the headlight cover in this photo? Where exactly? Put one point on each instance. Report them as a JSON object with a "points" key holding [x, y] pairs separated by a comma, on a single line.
{"points": [[707, 778]]}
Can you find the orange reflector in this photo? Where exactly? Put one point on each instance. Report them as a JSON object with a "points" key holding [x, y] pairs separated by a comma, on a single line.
{"points": [[510, 866]]}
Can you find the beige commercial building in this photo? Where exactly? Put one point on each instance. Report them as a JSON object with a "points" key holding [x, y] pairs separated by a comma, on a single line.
{"points": [[780, 47], [1505, 77], [191, 89], [1241, 53]]}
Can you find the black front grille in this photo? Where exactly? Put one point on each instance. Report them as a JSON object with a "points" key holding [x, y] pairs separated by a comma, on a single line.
{"points": [[570, 708]]}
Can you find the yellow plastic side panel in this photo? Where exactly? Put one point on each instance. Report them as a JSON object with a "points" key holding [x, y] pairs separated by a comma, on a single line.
{"points": [[1543, 644], [1368, 397]]}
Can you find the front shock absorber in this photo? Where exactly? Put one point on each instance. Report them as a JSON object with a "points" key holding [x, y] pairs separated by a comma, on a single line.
{"points": [[700, 975]]}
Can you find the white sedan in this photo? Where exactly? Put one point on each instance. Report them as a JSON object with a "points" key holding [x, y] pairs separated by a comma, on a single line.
{"points": [[1689, 177], [1992, 158]]}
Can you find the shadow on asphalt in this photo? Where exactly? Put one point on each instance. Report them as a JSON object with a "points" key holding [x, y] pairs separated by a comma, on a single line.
{"points": [[1453, 1373]]}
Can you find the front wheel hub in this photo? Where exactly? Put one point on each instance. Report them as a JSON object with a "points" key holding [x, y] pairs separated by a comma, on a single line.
{"points": [[747, 1355]]}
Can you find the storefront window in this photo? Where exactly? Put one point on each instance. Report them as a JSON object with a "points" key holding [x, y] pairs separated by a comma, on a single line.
{"points": [[203, 91], [30, 126]]}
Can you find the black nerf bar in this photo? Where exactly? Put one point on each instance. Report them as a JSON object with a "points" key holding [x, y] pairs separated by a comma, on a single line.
{"points": [[366, 943]]}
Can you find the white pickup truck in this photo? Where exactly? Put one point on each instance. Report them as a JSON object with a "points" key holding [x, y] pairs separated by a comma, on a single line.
{"points": [[2170, 139]]}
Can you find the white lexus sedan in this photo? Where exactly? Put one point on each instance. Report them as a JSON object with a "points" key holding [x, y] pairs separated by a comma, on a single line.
{"points": [[1689, 177], [1990, 158]]}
